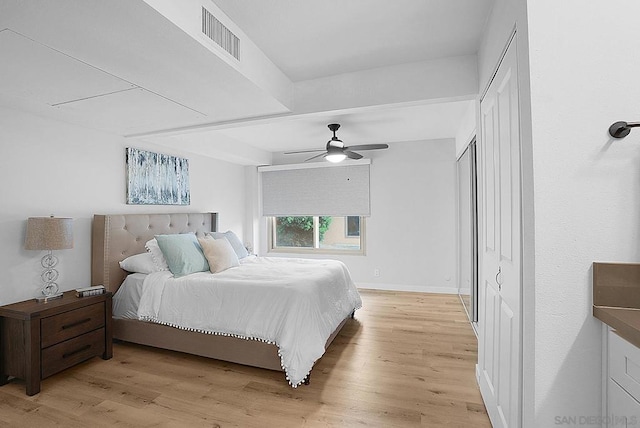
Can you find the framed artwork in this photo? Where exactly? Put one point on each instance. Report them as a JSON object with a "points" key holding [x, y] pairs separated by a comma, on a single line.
{"points": [[156, 178]]}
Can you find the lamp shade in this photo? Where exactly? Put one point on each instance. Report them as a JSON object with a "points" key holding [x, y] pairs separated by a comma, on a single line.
{"points": [[49, 233]]}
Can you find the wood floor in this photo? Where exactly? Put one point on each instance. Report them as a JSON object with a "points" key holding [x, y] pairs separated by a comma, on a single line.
{"points": [[406, 360]]}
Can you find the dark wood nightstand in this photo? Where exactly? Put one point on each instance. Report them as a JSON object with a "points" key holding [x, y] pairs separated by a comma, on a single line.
{"points": [[38, 340]]}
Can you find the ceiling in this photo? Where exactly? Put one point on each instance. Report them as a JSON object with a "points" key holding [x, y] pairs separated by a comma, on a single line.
{"points": [[310, 39], [138, 69]]}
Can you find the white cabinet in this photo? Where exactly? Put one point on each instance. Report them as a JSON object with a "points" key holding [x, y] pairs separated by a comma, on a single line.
{"points": [[623, 409], [623, 383]]}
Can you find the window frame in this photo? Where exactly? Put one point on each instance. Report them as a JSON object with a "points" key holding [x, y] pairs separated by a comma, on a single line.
{"points": [[271, 229]]}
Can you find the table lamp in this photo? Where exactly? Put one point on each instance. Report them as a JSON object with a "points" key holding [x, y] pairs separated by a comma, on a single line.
{"points": [[49, 233]]}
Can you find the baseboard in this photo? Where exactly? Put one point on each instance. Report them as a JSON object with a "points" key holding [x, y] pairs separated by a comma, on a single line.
{"points": [[465, 291], [407, 287]]}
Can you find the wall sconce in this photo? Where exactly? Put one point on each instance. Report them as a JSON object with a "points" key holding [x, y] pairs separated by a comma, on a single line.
{"points": [[622, 129], [49, 233]]}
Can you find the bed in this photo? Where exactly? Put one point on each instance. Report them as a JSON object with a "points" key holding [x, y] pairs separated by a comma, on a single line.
{"points": [[116, 237]]}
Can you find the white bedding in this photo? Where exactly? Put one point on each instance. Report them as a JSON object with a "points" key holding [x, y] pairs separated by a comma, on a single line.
{"points": [[127, 298], [293, 303]]}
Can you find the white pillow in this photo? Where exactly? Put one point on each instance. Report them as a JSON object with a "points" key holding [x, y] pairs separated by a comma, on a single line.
{"points": [[235, 242], [156, 253], [219, 253], [139, 263]]}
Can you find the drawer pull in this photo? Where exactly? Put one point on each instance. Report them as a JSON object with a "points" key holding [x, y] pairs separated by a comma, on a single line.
{"points": [[64, 327], [77, 351]]}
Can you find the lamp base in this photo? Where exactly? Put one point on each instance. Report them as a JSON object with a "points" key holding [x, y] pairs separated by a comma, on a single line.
{"points": [[45, 299]]}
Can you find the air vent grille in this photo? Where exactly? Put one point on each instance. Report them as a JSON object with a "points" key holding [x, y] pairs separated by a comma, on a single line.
{"points": [[220, 34]]}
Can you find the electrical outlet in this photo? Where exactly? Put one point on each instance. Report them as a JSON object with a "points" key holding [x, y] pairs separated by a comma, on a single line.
{"points": [[376, 272]]}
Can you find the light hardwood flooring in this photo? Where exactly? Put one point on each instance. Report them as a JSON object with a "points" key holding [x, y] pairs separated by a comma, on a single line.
{"points": [[406, 360]]}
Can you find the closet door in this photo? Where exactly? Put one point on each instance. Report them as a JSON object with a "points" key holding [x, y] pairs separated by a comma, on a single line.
{"points": [[467, 232], [499, 324]]}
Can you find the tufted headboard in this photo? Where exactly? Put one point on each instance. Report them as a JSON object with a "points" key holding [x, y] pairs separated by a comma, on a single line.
{"points": [[116, 237]]}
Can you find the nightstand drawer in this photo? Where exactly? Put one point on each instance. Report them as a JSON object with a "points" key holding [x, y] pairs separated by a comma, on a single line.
{"points": [[66, 354], [39, 339], [70, 324]]}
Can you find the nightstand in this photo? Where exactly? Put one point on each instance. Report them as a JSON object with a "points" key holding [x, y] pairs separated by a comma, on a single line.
{"points": [[38, 340]]}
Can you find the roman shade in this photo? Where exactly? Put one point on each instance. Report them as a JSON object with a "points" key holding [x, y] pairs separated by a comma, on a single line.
{"points": [[316, 190]]}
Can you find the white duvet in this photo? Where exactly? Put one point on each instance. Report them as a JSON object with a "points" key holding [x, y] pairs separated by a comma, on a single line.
{"points": [[293, 303]]}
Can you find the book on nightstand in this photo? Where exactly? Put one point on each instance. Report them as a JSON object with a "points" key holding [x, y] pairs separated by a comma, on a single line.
{"points": [[90, 291]]}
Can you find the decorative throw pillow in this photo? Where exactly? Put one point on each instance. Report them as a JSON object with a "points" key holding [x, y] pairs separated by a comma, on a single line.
{"points": [[183, 254], [156, 253], [235, 242], [219, 254], [139, 263]]}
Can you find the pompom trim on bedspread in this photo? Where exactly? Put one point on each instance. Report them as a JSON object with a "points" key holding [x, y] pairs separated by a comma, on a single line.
{"points": [[237, 336]]}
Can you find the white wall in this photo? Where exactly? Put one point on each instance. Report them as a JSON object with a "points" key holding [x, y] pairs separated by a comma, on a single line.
{"points": [[584, 74], [466, 129], [410, 235], [453, 78], [49, 167], [576, 77]]}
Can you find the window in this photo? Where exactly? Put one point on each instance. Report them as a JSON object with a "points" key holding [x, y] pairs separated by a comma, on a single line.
{"points": [[317, 234], [353, 226]]}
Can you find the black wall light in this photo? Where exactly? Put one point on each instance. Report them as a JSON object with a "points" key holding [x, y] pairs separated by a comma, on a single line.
{"points": [[622, 129]]}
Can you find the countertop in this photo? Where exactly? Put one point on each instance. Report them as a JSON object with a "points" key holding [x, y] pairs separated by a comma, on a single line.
{"points": [[616, 298]]}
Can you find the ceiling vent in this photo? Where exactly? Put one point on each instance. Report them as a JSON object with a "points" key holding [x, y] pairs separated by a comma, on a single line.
{"points": [[220, 34]]}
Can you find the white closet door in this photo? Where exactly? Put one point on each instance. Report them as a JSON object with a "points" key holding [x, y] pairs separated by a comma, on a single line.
{"points": [[499, 329]]}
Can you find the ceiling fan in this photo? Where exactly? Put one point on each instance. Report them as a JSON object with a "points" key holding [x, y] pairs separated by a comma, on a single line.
{"points": [[336, 151]]}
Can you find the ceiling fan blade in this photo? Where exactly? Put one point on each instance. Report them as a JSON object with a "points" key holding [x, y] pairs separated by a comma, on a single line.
{"points": [[368, 147], [304, 151], [316, 156], [352, 155]]}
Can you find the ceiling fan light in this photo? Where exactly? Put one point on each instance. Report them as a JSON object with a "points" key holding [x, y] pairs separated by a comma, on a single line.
{"points": [[336, 157]]}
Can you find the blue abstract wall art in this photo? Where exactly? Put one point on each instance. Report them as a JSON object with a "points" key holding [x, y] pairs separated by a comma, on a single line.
{"points": [[157, 179]]}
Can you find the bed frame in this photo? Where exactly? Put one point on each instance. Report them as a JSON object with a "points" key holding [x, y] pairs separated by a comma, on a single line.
{"points": [[116, 237]]}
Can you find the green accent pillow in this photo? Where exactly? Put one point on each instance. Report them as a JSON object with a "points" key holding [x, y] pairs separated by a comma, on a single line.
{"points": [[183, 253]]}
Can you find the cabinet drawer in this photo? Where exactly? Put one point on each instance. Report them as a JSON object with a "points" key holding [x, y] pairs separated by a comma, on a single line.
{"points": [[59, 328], [623, 411], [66, 354], [624, 364]]}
